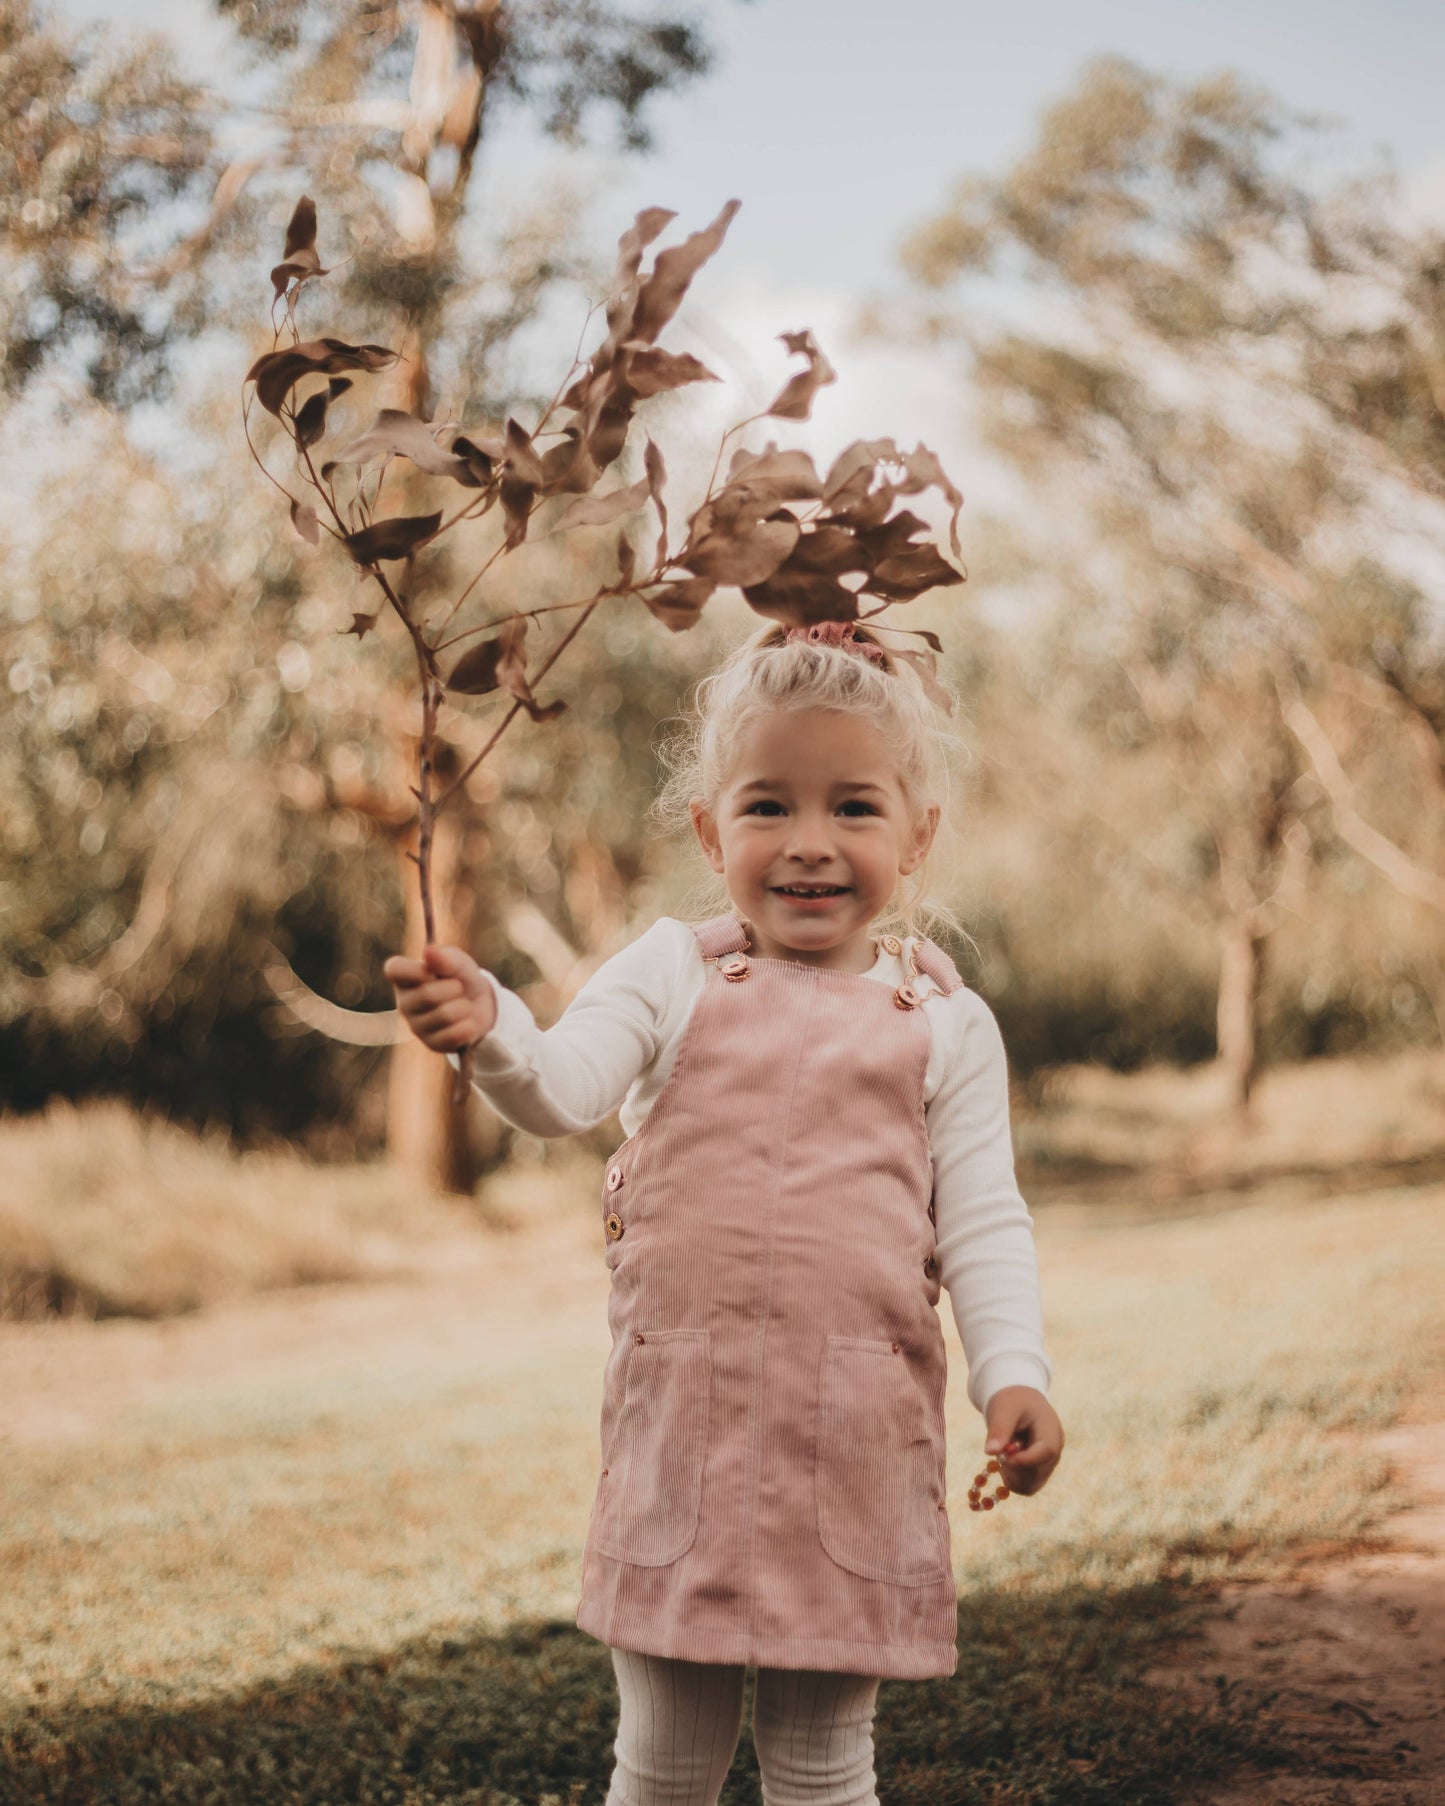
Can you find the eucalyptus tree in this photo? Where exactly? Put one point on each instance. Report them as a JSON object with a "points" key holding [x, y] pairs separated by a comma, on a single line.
{"points": [[154, 825], [1187, 341]]}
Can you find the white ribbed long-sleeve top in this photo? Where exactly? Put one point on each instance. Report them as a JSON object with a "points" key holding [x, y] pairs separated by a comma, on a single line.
{"points": [[613, 1047]]}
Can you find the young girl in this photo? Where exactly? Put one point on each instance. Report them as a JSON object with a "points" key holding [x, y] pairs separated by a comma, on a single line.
{"points": [[817, 1140]]}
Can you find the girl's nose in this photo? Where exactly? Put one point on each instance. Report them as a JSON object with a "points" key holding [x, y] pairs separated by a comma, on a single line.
{"points": [[810, 841]]}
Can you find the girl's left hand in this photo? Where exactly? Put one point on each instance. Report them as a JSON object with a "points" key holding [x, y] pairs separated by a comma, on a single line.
{"points": [[1022, 1415]]}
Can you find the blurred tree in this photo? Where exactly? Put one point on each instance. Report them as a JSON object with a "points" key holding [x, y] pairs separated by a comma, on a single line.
{"points": [[232, 740], [1157, 318], [95, 147]]}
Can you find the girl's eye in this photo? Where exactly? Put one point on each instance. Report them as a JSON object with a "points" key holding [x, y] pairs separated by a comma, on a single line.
{"points": [[770, 806]]}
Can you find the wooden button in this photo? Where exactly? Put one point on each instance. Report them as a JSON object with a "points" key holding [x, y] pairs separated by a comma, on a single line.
{"points": [[930, 1266], [614, 1226], [733, 966], [895, 1348], [931, 1217], [906, 997], [639, 1337]]}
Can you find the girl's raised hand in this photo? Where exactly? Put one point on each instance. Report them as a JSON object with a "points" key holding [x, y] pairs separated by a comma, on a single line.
{"points": [[443, 997], [1023, 1416]]}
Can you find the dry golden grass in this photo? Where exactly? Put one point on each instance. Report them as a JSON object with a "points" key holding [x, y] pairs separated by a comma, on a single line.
{"points": [[1327, 1122], [336, 1555], [106, 1212], [353, 1573]]}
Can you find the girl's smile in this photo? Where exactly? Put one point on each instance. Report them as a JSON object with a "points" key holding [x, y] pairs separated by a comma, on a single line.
{"points": [[811, 833]]}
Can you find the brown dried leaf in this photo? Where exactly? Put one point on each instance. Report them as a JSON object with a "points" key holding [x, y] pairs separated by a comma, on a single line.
{"points": [[678, 605], [925, 471], [924, 633], [608, 433], [299, 258], [646, 226], [623, 296], [790, 475], [517, 500], [795, 400], [800, 598], [309, 422], [602, 510], [276, 373], [805, 588], [909, 574], [475, 672], [868, 513], [858, 461], [745, 556], [892, 537], [926, 666], [523, 463], [829, 551], [303, 519], [397, 537], [521, 482], [647, 370], [626, 562], [569, 468], [500, 662], [481, 454], [301, 231], [395, 433], [655, 478], [361, 625], [660, 294]]}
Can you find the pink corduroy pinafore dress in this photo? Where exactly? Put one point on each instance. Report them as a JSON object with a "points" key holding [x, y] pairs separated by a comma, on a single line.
{"points": [[772, 1452]]}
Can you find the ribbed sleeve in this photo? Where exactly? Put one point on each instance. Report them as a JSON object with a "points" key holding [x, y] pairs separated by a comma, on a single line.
{"points": [[983, 1231], [558, 1080]]}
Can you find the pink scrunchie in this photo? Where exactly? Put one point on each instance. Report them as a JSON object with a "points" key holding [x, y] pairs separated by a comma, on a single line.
{"points": [[837, 633]]}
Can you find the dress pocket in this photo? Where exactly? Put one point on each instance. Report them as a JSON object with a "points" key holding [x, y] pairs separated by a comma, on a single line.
{"points": [[880, 1467], [651, 1488]]}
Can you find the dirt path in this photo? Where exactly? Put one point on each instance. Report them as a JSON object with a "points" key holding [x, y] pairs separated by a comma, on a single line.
{"points": [[489, 1303], [1354, 1649]]}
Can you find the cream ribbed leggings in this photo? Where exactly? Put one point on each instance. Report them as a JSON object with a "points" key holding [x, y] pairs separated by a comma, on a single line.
{"points": [[680, 1723]]}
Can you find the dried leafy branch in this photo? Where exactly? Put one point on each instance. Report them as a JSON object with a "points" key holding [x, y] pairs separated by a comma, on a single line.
{"points": [[802, 547]]}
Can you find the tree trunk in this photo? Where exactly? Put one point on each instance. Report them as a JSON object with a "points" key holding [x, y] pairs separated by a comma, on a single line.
{"points": [[1241, 973], [427, 1136]]}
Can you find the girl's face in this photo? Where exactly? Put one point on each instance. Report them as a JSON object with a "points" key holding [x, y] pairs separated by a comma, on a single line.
{"points": [[811, 833]]}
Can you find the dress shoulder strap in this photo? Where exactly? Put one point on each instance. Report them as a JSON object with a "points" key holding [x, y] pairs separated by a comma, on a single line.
{"points": [[720, 934], [930, 958]]}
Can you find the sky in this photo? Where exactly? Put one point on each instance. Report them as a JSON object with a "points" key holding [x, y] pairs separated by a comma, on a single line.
{"points": [[840, 124]]}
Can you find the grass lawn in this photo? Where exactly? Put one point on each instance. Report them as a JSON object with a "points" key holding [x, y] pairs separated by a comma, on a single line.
{"points": [[356, 1582]]}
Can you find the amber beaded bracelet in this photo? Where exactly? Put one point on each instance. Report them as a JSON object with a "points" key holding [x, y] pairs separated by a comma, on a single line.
{"points": [[976, 1500]]}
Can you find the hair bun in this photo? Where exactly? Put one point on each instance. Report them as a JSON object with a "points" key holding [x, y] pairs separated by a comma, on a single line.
{"points": [[840, 634]]}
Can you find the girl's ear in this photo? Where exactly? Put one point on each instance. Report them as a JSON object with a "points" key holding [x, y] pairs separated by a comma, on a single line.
{"points": [[924, 829], [705, 827]]}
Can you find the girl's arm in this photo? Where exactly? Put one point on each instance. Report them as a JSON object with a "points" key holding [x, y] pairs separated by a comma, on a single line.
{"points": [[984, 1242], [559, 1080]]}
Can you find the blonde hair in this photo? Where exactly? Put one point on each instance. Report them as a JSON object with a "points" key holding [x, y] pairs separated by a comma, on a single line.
{"points": [[772, 671]]}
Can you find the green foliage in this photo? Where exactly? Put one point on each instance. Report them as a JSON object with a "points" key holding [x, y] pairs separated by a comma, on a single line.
{"points": [[103, 152]]}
